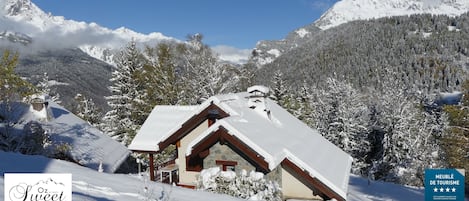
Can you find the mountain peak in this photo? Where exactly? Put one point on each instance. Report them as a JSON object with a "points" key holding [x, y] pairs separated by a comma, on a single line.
{"points": [[31, 25], [16, 7], [350, 10]]}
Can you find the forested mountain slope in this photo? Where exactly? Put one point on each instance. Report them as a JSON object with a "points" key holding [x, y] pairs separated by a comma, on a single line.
{"points": [[70, 72], [372, 87], [430, 52]]}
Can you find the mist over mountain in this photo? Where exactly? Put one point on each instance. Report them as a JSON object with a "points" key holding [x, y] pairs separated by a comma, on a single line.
{"points": [[77, 56], [58, 46], [56, 32]]}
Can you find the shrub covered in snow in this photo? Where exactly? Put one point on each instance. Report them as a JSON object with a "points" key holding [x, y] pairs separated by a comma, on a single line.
{"points": [[33, 140], [252, 186]]}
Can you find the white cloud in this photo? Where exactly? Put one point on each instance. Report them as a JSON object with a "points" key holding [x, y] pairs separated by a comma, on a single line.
{"points": [[232, 54]]}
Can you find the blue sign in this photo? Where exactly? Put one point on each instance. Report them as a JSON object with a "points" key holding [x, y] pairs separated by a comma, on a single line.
{"points": [[444, 185]]}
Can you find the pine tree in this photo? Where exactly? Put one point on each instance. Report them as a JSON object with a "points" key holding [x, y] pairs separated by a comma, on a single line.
{"points": [[124, 95], [301, 105], [456, 140], [341, 116], [280, 90], [247, 76], [409, 141], [12, 87], [87, 110], [45, 88], [162, 83], [205, 76]]}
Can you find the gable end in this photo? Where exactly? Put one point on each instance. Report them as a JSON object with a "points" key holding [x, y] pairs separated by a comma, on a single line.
{"points": [[222, 136], [192, 123]]}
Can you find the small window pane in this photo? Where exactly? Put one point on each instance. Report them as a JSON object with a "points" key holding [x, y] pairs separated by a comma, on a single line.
{"points": [[230, 168]]}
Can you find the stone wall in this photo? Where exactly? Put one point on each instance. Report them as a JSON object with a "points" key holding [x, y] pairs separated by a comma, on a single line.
{"points": [[224, 152], [275, 175]]}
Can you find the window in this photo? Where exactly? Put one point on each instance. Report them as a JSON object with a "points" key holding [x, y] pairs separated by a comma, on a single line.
{"points": [[227, 165]]}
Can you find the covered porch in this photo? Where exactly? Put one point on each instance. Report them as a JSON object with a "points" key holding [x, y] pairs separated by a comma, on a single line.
{"points": [[167, 172], [157, 127]]}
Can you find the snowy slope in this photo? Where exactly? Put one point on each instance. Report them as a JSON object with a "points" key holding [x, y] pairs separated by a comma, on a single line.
{"points": [[89, 184], [89, 146], [46, 30], [350, 10], [361, 189]]}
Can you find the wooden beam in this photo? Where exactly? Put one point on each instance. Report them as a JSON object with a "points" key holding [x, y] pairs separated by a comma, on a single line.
{"points": [[191, 124], [221, 135], [225, 162], [244, 150], [313, 181], [144, 151], [204, 154], [152, 167]]}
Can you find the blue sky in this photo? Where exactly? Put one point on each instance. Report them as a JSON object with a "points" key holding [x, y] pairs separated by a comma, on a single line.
{"points": [[235, 23]]}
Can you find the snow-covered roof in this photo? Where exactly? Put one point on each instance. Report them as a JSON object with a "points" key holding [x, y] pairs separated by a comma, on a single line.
{"points": [[162, 122], [280, 136], [273, 133], [89, 146]]}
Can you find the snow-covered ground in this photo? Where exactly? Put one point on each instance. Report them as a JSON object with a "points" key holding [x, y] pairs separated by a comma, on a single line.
{"points": [[89, 184], [88, 145], [362, 190]]}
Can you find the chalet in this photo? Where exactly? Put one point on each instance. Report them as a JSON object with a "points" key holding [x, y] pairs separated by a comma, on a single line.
{"points": [[247, 131]]}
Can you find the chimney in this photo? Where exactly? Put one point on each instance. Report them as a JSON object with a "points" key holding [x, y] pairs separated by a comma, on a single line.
{"points": [[257, 99], [38, 102], [39, 106]]}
